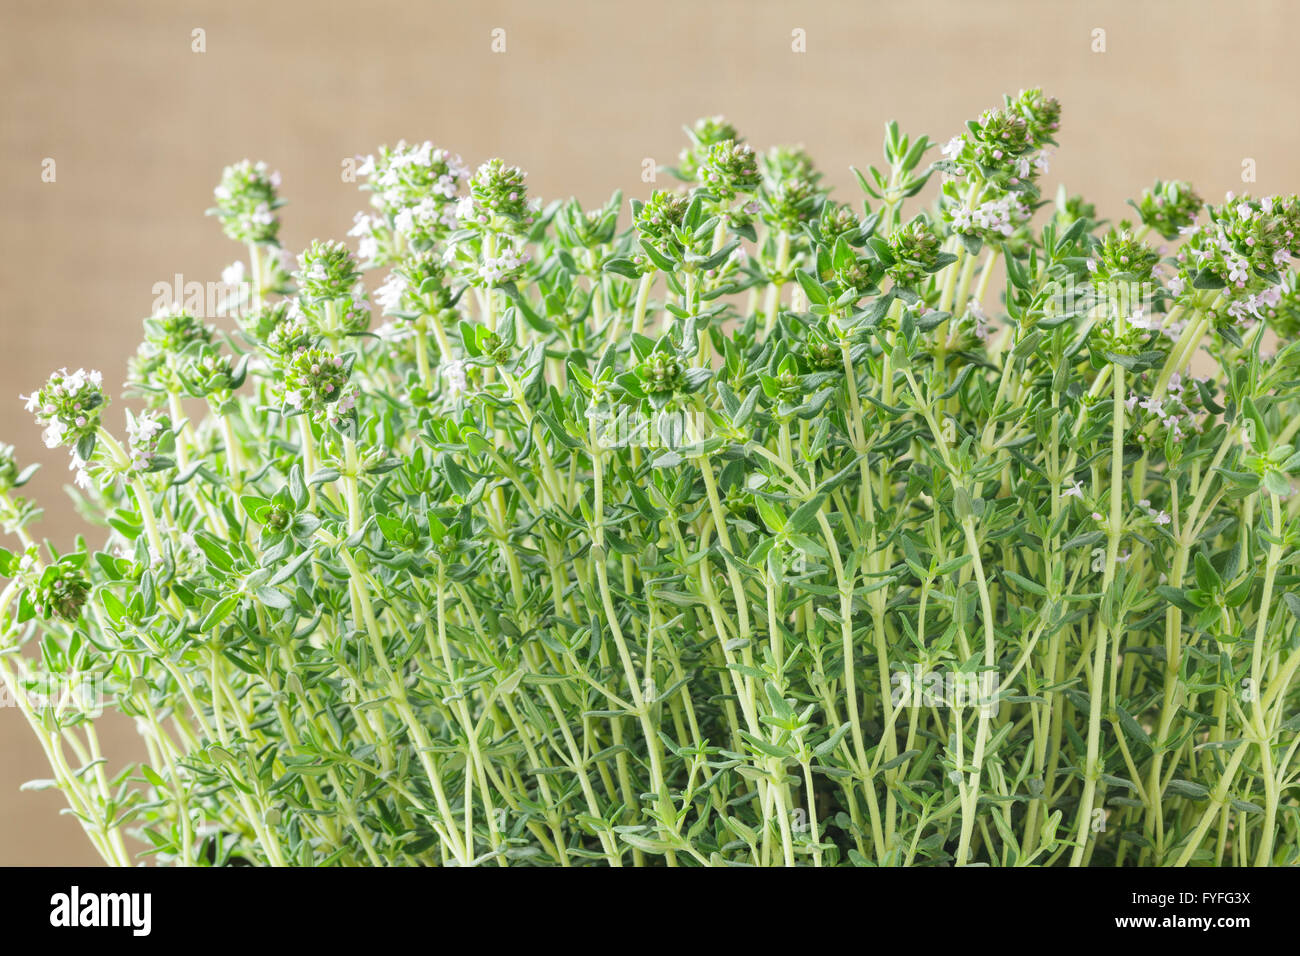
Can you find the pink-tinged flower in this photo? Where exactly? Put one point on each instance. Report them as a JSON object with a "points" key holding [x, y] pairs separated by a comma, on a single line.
{"points": [[1154, 406], [1140, 320], [1177, 284]]}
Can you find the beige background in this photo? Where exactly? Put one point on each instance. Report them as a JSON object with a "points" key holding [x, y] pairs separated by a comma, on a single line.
{"points": [[140, 126]]}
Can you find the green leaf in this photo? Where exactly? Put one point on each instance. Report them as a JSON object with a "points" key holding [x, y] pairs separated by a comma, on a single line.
{"points": [[1189, 789], [770, 513], [806, 513], [1207, 579], [152, 776], [815, 291], [219, 612], [831, 742], [290, 569], [1033, 587]]}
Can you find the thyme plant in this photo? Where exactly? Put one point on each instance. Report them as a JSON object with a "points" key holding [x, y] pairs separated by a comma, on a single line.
{"points": [[954, 527]]}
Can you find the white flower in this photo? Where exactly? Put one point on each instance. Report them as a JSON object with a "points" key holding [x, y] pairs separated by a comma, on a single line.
{"points": [[1177, 284], [1238, 271], [1154, 406], [362, 225], [1139, 320], [389, 295], [453, 372], [233, 274], [952, 149], [53, 434], [1074, 491], [144, 427]]}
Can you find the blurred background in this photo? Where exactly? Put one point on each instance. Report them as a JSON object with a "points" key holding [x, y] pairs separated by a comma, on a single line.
{"points": [[139, 112]]}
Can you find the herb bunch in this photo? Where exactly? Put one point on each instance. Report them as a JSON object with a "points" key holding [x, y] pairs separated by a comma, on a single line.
{"points": [[763, 530]]}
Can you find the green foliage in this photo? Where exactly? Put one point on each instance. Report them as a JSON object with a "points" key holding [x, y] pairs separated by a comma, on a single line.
{"points": [[766, 529]]}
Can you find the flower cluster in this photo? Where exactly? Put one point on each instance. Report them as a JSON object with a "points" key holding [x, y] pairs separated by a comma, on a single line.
{"points": [[508, 266], [916, 250], [730, 169], [144, 434], [991, 219], [1169, 208], [328, 286], [407, 175], [246, 203], [1179, 414], [69, 406], [416, 190], [1242, 250], [60, 591], [993, 167], [659, 220], [706, 132], [314, 380], [498, 200], [1007, 146]]}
